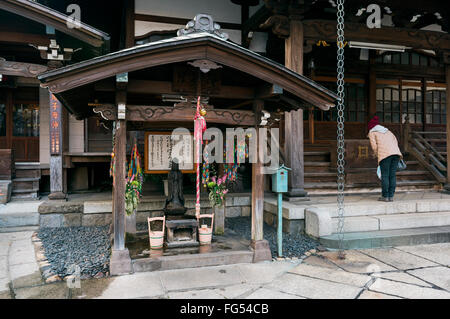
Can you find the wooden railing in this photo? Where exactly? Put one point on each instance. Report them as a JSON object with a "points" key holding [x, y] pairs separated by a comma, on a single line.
{"points": [[422, 145]]}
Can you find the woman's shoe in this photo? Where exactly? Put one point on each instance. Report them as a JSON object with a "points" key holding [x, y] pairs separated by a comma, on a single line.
{"points": [[391, 199], [383, 199]]}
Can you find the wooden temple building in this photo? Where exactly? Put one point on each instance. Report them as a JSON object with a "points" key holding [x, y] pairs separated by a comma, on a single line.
{"points": [[62, 88]]}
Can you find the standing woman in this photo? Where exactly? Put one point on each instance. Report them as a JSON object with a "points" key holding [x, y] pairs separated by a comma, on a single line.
{"points": [[385, 147]]}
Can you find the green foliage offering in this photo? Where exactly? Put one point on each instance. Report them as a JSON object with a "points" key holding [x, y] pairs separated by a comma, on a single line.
{"points": [[217, 191], [132, 195]]}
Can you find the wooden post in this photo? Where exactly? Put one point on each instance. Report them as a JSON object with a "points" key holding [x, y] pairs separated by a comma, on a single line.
{"points": [[260, 246], [293, 126], [447, 79], [372, 87], [57, 174], [120, 258], [311, 125]]}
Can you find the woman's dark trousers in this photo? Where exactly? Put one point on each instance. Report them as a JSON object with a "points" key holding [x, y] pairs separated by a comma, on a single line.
{"points": [[388, 168]]}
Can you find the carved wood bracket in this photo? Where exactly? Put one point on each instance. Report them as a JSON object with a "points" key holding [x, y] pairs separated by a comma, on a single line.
{"points": [[28, 70], [143, 113]]}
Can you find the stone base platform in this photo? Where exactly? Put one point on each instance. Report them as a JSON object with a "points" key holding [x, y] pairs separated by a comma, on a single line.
{"points": [[95, 209]]}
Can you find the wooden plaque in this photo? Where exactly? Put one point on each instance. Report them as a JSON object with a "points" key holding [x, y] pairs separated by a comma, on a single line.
{"points": [[160, 147]]}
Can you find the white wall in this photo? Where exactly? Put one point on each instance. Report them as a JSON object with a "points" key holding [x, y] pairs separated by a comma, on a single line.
{"points": [[220, 10], [76, 135]]}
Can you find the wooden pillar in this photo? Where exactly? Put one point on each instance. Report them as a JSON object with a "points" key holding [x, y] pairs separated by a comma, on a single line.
{"points": [[120, 258], [120, 184], [58, 186], [372, 86], [129, 23], [260, 246], [447, 79], [293, 126]]}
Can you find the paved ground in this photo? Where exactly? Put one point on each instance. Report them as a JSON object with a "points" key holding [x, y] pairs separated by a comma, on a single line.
{"points": [[402, 272]]}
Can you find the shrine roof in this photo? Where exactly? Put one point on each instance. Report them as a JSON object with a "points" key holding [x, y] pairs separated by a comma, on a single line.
{"points": [[190, 47], [48, 16]]}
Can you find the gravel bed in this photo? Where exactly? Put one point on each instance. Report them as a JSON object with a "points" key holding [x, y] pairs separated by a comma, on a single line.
{"points": [[294, 245], [86, 247]]}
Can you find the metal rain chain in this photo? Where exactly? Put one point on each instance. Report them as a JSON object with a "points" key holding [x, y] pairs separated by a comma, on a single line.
{"points": [[340, 126]]}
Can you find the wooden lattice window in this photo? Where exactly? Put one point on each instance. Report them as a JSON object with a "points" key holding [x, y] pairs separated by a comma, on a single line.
{"points": [[412, 104], [435, 106], [355, 104], [388, 103]]}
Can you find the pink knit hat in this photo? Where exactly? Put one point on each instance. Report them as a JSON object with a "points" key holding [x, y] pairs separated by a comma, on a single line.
{"points": [[373, 122]]}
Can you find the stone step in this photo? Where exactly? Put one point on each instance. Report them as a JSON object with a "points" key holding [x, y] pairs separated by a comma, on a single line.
{"points": [[18, 219], [389, 238], [18, 229], [393, 221], [192, 260]]}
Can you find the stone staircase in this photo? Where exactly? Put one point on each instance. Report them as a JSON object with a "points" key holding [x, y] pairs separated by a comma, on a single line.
{"points": [[320, 175], [19, 216], [25, 184], [374, 224]]}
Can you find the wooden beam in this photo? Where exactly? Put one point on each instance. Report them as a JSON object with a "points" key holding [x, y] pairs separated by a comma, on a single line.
{"points": [[146, 113], [417, 39], [267, 91], [24, 38], [180, 21], [14, 68], [165, 87]]}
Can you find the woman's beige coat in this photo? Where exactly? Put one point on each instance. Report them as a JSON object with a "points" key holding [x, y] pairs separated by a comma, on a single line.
{"points": [[384, 144]]}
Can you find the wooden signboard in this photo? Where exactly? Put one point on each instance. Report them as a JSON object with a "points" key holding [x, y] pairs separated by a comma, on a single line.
{"points": [[55, 126], [161, 148]]}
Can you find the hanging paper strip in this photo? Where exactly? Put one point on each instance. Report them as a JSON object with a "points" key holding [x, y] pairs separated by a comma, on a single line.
{"points": [[199, 129]]}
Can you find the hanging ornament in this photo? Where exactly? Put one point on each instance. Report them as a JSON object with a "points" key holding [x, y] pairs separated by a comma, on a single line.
{"points": [[199, 129]]}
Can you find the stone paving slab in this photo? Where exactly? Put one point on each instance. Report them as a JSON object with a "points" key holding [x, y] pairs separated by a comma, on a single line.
{"points": [[367, 294], [183, 279], [334, 275], [4, 248], [407, 290], [236, 291], [439, 276], [57, 290], [4, 287], [195, 294], [403, 277], [438, 253], [264, 293], [138, 285], [263, 272], [21, 254], [25, 275], [357, 262], [313, 288], [398, 259]]}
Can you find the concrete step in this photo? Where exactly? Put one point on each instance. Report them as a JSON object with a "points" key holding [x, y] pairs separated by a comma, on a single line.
{"points": [[18, 229], [192, 260], [389, 238], [19, 214], [393, 221], [19, 219]]}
